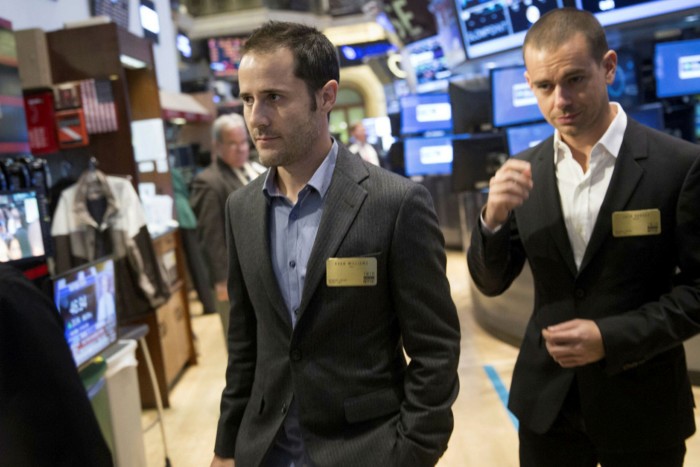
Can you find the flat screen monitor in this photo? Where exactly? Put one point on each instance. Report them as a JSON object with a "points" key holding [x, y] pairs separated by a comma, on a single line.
{"points": [[425, 112], [471, 105], [225, 55], [524, 137], [428, 156], [651, 115], [476, 160], [85, 299], [610, 12], [677, 68], [495, 26], [428, 63], [513, 101], [22, 232]]}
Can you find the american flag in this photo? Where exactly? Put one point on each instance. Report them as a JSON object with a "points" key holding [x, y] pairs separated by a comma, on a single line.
{"points": [[98, 105]]}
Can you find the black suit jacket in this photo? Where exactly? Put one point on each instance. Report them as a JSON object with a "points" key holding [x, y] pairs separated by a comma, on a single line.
{"points": [[46, 419], [359, 402], [643, 292]]}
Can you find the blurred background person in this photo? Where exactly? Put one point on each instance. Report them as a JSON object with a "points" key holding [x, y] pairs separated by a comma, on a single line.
{"points": [[360, 145], [229, 170]]}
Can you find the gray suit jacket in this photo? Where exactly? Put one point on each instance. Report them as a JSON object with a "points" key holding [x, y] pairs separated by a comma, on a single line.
{"points": [[210, 189], [642, 291], [359, 402]]}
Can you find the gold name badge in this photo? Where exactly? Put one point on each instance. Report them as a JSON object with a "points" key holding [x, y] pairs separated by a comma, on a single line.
{"points": [[351, 272], [636, 223]]}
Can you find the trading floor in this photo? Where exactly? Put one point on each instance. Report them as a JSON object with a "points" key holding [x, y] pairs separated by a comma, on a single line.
{"points": [[485, 433]]}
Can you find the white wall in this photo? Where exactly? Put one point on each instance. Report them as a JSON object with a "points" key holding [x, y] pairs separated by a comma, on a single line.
{"points": [[50, 15]]}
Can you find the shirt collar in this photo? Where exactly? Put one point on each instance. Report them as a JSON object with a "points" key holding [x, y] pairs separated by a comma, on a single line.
{"points": [[611, 140], [319, 181]]}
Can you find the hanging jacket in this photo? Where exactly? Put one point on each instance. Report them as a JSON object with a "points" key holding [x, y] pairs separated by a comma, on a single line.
{"points": [[102, 215]]}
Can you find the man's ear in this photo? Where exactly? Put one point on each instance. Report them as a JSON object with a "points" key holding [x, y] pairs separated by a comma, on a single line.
{"points": [[328, 94], [610, 65]]}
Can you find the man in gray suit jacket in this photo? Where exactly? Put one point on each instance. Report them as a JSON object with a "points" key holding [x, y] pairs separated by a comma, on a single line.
{"points": [[606, 213], [229, 170], [338, 270]]}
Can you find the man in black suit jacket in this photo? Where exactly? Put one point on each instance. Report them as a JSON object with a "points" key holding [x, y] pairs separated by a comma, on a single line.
{"points": [[339, 268], [45, 415], [606, 213]]}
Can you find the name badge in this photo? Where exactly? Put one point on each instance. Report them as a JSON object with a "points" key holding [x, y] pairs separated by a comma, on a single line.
{"points": [[636, 223], [351, 272]]}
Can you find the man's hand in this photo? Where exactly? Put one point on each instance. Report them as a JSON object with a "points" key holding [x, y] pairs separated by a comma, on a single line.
{"points": [[574, 343], [221, 291], [221, 462], [508, 189]]}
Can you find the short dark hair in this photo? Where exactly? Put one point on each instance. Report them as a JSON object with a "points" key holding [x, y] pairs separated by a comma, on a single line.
{"points": [[315, 57], [557, 26]]}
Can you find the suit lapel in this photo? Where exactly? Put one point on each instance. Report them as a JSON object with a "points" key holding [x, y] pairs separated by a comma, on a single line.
{"points": [[545, 205], [259, 236], [342, 203], [625, 179]]}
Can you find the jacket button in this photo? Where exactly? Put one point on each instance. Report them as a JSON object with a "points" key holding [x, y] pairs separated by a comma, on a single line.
{"points": [[296, 355], [579, 293]]}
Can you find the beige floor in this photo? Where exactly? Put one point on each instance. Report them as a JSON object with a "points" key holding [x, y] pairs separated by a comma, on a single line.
{"points": [[484, 435]]}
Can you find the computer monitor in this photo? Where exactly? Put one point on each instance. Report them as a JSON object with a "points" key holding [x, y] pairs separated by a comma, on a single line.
{"points": [[85, 299], [23, 233], [677, 68], [476, 159], [524, 137], [611, 12], [428, 64], [421, 113], [428, 156], [471, 105], [495, 26], [512, 99], [651, 115]]}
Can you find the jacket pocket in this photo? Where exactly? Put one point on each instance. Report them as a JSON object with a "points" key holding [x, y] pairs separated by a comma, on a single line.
{"points": [[373, 405]]}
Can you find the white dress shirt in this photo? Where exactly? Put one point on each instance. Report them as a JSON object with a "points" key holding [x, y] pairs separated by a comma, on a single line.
{"points": [[581, 194]]}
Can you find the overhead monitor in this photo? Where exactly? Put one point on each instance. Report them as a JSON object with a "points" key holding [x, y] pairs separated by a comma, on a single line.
{"points": [[85, 298], [677, 68], [495, 26], [651, 115], [428, 156], [22, 232], [149, 20], [476, 160], [471, 105], [611, 12], [225, 55], [428, 63], [513, 101], [421, 113], [524, 137]]}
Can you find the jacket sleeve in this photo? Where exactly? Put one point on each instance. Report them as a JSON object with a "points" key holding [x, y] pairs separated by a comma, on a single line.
{"points": [[210, 228], [430, 331], [242, 344]]}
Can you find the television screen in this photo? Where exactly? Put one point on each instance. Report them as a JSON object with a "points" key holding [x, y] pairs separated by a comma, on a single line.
{"points": [[425, 112], [495, 26], [476, 160], [22, 233], [611, 12], [427, 156], [183, 45], [625, 88], [677, 68], [149, 20], [523, 137], [471, 105], [225, 55], [651, 115], [85, 300], [429, 64], [513, 101]]}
